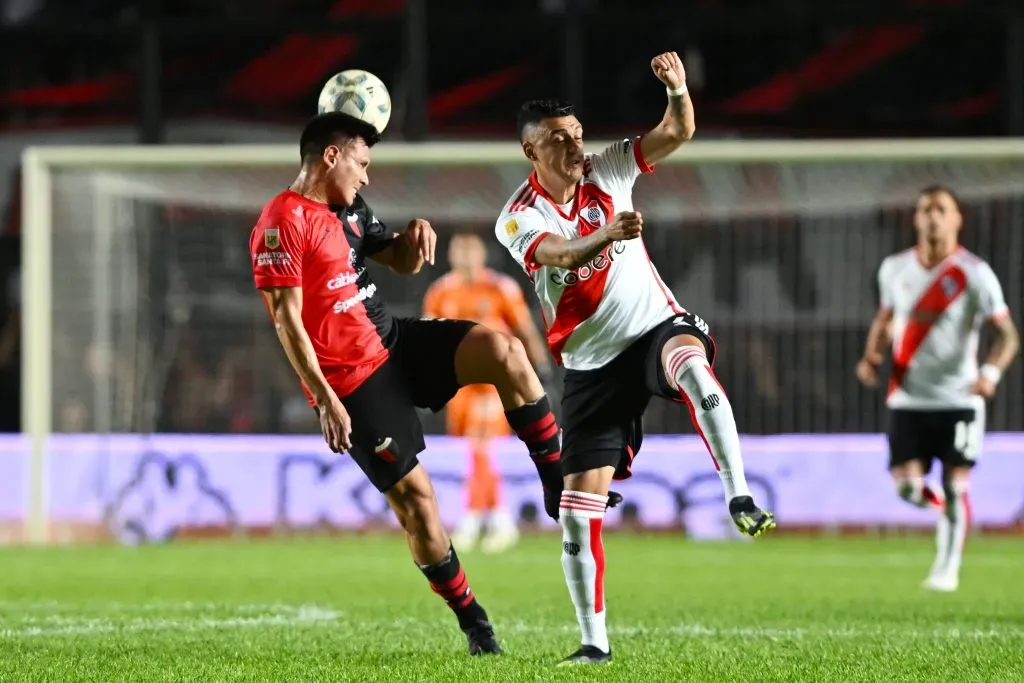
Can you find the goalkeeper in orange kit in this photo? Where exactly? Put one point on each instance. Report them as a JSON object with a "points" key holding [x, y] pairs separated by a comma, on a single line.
{"points": [[472, 291]]}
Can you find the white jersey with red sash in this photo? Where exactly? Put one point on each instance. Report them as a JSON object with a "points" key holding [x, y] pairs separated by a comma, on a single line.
{"points": [[937, 315]]}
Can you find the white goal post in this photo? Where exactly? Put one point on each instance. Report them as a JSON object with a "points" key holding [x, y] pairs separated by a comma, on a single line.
{"points": [[819, 177]]}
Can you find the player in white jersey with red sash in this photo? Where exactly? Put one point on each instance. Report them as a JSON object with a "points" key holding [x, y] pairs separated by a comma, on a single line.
{"points": [[934, 300], [614, 325]]}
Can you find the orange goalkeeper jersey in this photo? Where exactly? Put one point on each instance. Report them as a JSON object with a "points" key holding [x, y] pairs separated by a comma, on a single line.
{"points": [[496, 301]]}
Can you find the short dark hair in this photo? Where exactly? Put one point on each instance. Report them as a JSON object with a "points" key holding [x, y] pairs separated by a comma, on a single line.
{"points": [[936, 188], [328, 129], [533, 112]]}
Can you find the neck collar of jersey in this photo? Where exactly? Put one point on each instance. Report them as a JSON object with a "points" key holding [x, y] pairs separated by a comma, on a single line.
{"points": [[306, 201], [574, 209]]}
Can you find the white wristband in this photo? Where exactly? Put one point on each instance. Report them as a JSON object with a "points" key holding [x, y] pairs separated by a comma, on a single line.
{"points": [[991, 373], [676, 92]]}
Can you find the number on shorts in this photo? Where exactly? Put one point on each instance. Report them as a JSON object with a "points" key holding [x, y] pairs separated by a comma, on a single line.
{"points": [[966, 439]]}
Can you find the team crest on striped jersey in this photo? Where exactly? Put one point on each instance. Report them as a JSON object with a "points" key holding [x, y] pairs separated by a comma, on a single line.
{"points": [[272, 238], [594, 214], [511, 227], [949, 286]]}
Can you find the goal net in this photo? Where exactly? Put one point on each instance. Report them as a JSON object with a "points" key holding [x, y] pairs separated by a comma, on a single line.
{"points": [[141, 315]]}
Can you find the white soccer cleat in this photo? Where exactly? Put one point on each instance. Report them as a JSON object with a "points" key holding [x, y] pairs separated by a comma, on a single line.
{"points": [[467, 533], [500, 540], [942, 583], [502, 533]]}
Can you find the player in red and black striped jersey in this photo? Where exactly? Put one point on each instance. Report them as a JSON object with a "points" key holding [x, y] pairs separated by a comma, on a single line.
{"points": [[367, 372]]}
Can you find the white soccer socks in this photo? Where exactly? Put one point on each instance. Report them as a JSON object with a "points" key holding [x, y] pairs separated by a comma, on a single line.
{"points": [[688, 372], [582, 516], [950, 537]]}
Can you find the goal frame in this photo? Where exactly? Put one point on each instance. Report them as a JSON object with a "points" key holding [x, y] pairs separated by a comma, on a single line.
{"points": [[39, 163]]}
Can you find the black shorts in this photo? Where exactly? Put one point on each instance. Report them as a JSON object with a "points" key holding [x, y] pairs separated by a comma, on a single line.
{"points": [[420, 373], [952, 436], [602, 409]]}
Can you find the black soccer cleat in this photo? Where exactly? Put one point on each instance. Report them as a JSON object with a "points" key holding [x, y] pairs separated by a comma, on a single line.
{"points": [[481, 639], [588, 654], [748, 518]]}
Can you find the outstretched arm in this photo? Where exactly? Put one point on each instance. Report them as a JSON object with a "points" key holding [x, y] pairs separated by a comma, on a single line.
{"points": [[677, 126]]}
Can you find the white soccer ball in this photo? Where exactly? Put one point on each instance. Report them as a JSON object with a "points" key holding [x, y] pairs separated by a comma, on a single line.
{"points": [[359, 94]]}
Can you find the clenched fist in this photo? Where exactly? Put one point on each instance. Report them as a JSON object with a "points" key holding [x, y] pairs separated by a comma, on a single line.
{"points": [[627, 225], [669, 69]]}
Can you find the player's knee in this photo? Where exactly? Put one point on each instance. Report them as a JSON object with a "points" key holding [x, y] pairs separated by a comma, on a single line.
{"points": [[415, 507], [511, 354], [955, 488], [595, 481]]}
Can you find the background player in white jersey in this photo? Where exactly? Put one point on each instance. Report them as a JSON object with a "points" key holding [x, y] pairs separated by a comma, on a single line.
{"points": [[614, 325], [934, 299]]}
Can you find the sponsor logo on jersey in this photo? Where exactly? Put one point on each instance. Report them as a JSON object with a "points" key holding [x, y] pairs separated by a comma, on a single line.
{"points": [[511, 227], [363, 294], [522, 243], [600, 262], [342, 279], [272, 238]]}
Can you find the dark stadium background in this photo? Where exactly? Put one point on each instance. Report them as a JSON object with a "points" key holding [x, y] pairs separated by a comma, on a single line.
{"points": [[458, 68]]}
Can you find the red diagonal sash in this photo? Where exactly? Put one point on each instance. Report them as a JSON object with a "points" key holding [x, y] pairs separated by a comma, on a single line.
{"points": [[949, 284]]}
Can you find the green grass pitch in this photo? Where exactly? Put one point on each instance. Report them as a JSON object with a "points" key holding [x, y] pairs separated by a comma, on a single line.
{"points": [[356, 609]]}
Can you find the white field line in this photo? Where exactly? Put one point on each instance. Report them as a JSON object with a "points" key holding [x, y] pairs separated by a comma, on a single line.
{"points": [[54, 626], [177, 606], [90, 626], [805, 561]]}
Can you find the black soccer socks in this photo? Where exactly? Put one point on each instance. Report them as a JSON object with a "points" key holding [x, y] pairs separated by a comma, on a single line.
{"points": [[535, 425], [449, 581]]}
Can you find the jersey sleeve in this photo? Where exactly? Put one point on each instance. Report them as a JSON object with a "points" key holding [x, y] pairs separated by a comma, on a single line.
{"points": [[885, 296], [277, 249], [521, 232], [989, 294], [378, 236], [619, 165]]}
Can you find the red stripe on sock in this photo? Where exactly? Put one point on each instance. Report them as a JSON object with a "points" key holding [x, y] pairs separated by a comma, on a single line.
{"points": [[548, 457], [466, 600], [450, 585], [676, 362], [597, 549], [934, 499], [968, 517], [544, 424], [582, 508], [454, 592]]}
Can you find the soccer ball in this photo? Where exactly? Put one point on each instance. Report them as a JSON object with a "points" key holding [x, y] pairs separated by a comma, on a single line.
{"points": [[359, 94]]}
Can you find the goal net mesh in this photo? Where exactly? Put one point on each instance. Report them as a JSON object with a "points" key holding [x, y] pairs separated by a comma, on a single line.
{"points": [[157, 326]]}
